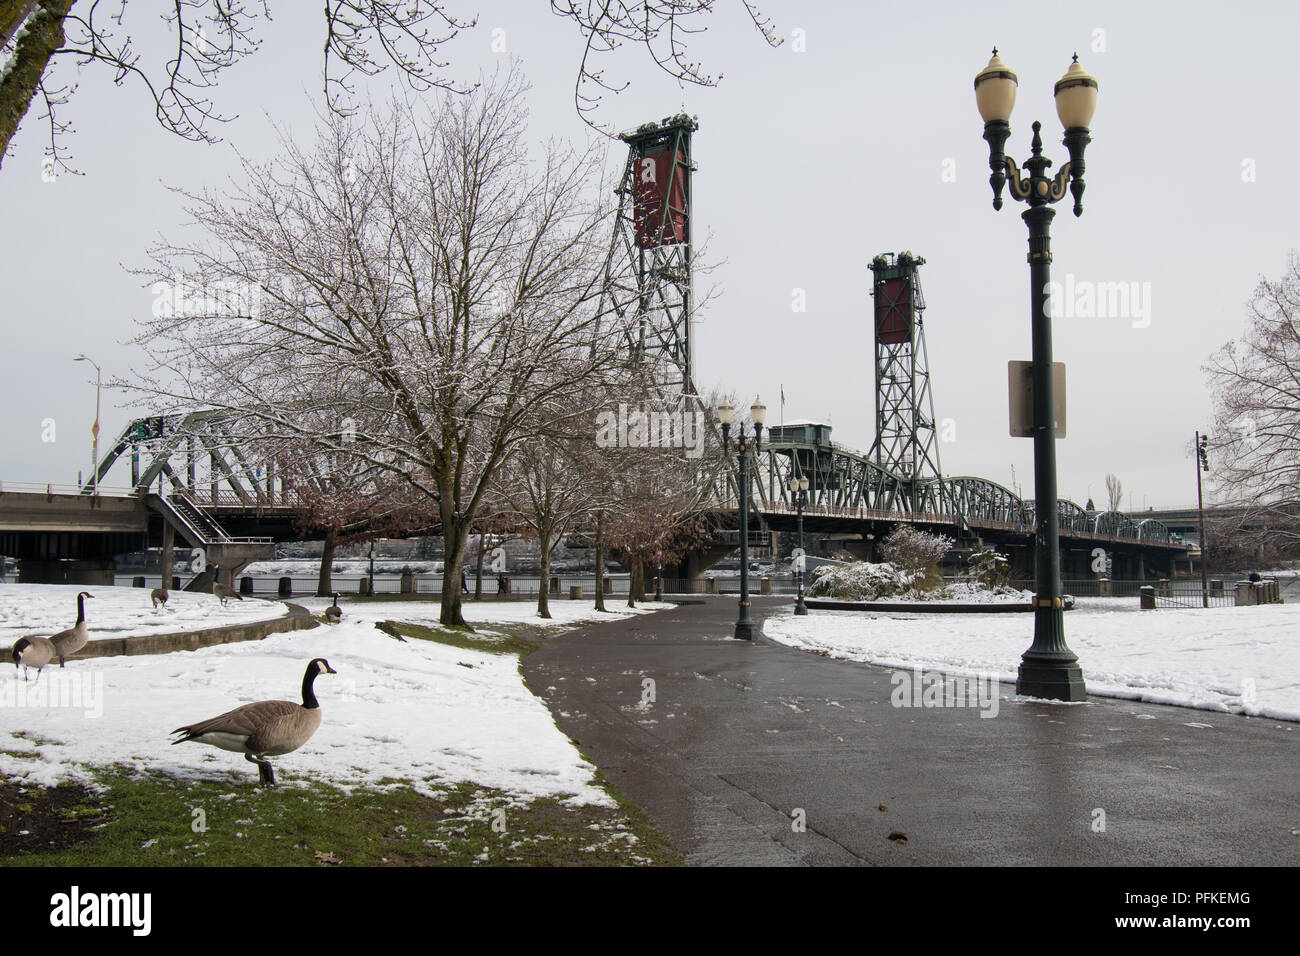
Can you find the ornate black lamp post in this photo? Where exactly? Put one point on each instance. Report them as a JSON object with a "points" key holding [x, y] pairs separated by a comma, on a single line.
{"points": [[1049, 668], [799, 492], [743, 446]]}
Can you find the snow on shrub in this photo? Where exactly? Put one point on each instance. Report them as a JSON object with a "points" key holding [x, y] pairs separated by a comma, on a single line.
{"points": [[862, 581], [913, 550], [987, 568]]}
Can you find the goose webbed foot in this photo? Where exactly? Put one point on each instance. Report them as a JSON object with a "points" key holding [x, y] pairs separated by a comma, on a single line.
{"points": [[265, 773]]}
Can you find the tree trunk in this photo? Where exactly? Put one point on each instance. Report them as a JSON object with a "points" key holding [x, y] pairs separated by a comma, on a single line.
{"points": [[478, 570], [633, 583], [22, 78], [454, 539], [324, 586], [600, 562], [544, 585]]}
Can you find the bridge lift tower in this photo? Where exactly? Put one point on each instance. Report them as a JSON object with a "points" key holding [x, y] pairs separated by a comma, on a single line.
{"points": [[905, 443], [649, 265]]}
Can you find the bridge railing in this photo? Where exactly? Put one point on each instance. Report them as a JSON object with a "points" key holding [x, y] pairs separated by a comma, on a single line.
{"points": [[229, 499], [64, 488]]}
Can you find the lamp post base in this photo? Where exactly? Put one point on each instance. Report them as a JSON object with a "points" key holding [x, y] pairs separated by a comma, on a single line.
{"points": [[800, 609], [744, 631], [1051, 680]]}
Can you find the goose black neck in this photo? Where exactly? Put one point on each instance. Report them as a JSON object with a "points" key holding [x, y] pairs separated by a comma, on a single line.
{"points": [[308, 693], [81, 608]]}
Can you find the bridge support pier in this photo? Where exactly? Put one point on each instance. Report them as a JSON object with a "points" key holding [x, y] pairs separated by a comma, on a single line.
{"points": [[168, 543], [93, 572], [1022, 562], [864, 549], [694, 564]]}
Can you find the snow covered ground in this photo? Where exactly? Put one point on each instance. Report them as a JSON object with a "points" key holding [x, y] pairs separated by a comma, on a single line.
{"points": [[44, 609], [1236, 660], [395, 711]]}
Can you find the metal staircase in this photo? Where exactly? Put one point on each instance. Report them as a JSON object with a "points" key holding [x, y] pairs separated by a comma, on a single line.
{"points": [[198, 527]]}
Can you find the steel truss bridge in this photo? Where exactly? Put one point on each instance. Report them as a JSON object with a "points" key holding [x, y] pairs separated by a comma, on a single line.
{"points": [[191, 475], [846, 485], [193, 465]]}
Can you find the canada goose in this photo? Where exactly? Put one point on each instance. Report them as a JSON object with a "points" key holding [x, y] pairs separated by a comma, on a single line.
{"points": [[159, 596], [334, 613], [267, 728], [33, 652], [66, 643], [224, 592]]}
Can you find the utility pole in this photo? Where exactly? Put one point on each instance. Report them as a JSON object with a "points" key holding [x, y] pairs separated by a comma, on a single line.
{"points": [[1202, 464]]}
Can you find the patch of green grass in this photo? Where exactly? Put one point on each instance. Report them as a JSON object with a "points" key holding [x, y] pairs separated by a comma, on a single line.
{"points": [[466, 640], [164, 821], [33, 738]]}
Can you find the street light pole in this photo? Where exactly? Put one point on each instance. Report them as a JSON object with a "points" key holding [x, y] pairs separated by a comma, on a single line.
{"points": [[757, 414], [370, 588], [94, 429], [1049, 669], [799, 490], [1202, 464]]}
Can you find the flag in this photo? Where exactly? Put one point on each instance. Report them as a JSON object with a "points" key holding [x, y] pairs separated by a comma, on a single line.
{"points": [[782, 404]]}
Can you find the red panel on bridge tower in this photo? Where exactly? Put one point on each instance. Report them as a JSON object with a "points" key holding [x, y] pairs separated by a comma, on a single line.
{"points": [[894, 311], [655, 177]]}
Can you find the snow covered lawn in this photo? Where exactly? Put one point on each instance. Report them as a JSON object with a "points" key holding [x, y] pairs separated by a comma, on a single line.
{"points": [[46, 609], [1236, 660], [395, 711]]}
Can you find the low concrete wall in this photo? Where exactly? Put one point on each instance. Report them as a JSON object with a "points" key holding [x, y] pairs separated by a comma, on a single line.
{"points": [[298, 619], [921, 607]]}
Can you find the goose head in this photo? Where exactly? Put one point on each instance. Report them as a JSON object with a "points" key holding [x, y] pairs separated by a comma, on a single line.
{"points": [[317, 667], [19, 648]]}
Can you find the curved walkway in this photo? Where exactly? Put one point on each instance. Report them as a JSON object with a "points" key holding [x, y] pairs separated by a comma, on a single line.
{"points": [[740, 738]]}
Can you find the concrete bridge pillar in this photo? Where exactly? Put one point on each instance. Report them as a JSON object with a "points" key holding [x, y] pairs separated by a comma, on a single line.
{"points": [[695, 563], [1022, 562], [864, 549], [99, 572]]}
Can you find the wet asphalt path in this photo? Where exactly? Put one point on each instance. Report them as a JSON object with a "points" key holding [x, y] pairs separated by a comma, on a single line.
{"points": [[742, 737]]}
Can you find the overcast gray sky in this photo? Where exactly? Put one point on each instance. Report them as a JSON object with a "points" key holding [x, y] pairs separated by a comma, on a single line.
{"points": [[812, 157]]}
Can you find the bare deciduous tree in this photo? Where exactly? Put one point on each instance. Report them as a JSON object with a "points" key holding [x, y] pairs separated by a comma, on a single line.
{"points": [[208, 37], [1255, 443], [1114, 492], [365, 37], [551, 484], [427, 279]]}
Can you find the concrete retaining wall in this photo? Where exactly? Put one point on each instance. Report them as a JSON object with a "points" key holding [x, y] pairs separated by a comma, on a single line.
{"points": [[297, 619], [922, 607]]}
